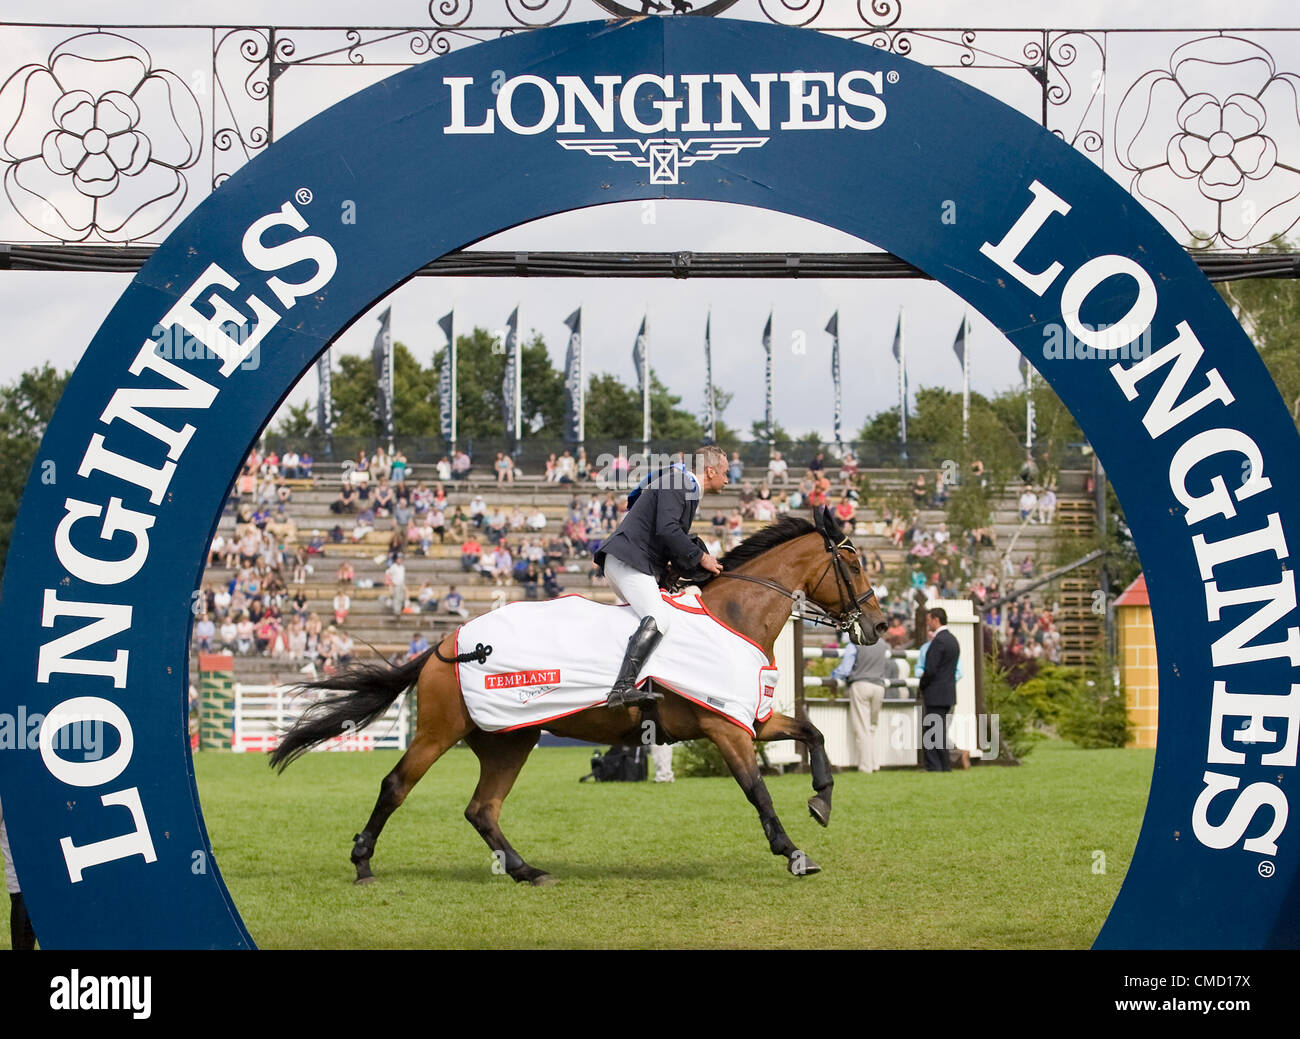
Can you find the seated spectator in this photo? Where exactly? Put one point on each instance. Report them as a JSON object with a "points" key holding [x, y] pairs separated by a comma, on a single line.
{"points": [[454, 602], [459, 527], [229, 635], [427, 598], [460, 466], [478, 511], [777, 469], [342, 604], [364, 525], [399, 469], [551, 582], [443, 468], [846, 513], [531, 580], [818, 464], [345, 502], [305, 464], [383, 499], [747, 498], [849, 468], [503, 564], [419, 645], [289, 465], [205, 631], [1047, 505], [1028, 505], [551, 474], [470, 554], [402, 511], [566, 468], [736, 469], [345, 573]]}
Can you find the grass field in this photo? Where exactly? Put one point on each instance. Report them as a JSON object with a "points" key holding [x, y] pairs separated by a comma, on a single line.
{"points": [[989, 858]]}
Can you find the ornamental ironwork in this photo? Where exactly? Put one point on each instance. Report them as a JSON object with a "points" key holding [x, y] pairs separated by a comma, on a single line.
{"points": [[1206, 131]]}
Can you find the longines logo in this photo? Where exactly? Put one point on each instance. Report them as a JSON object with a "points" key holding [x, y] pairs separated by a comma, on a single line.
{"points": [[675, 117]]}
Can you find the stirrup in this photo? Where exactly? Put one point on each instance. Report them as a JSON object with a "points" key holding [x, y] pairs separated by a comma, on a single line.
{"points": [[631, 696]]}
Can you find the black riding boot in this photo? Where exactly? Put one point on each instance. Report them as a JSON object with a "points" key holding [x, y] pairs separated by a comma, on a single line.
{"points": [[21, 935], [639, 647]]}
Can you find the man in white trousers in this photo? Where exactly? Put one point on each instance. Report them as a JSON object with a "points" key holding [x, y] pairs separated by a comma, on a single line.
{"points": [[655, 530], [866, 669]]}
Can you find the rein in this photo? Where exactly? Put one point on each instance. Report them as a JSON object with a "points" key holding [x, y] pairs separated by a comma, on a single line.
{"points": [[851, 606]]}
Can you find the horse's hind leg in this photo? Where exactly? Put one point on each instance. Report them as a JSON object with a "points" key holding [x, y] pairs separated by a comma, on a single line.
{"points": [[783, 727], [442, 722], [738, 751], [501, 755]]}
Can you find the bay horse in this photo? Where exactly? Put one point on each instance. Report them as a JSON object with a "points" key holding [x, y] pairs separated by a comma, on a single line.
{"points": [[790, 561]]}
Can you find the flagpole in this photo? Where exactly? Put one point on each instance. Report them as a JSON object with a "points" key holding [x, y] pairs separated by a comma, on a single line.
{"points": [[902, 384], [1029, 408], [771, 418], [708, 374], [519, 386], [392, 392], [965, 379], [451, 348], [645, 389], [582, 389]]}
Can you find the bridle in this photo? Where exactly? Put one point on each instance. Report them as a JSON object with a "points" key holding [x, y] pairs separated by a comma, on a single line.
{"points": [[850, 612]]}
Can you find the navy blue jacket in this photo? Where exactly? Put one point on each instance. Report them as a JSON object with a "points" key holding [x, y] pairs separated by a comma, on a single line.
{"points": [[657, 527], [939, 683]]}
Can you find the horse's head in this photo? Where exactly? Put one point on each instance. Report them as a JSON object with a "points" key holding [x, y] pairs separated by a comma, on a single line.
{"points": [[840, 585]]}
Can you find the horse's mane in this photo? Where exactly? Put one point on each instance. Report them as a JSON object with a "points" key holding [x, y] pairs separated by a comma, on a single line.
{"points": [[787, 528]]}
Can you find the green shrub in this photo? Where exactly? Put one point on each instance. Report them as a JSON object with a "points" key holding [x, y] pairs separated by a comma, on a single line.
{"points": [[699, 758], [1097, 715], [1015, 714]]}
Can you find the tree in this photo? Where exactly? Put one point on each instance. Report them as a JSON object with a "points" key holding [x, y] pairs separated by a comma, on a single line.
{"points": [[415, 401], [26, 408], [298, 424], [1269, 312]]}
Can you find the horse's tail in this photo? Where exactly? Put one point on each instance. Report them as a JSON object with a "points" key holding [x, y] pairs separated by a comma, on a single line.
{"points": [[371, 690]]}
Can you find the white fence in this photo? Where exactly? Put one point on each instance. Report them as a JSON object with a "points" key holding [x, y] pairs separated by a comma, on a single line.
{"points": [[264, 712]]}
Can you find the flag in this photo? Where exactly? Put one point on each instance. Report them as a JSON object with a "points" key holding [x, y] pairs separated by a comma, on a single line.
{"points": [[833, 327], [708, 382], [447, 381], [641, 359], [324, 396], [959, 347], [638, 358], [509, 398], [574, 421], [901, 358], [381, 354], [767, 349]]}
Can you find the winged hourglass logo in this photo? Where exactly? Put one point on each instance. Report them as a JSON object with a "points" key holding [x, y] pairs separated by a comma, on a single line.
{"points": [[664, 156]]}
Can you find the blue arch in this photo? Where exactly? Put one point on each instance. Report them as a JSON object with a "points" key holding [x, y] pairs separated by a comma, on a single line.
{"points": [[923, 144]]}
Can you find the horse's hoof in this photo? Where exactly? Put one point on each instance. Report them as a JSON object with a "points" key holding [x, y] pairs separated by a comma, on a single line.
{"points": [[543, 880], [365, 880], [800, 865], [819, 810]]}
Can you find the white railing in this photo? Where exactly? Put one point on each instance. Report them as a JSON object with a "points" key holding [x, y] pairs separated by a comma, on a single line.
{"points": [[264, 712]]}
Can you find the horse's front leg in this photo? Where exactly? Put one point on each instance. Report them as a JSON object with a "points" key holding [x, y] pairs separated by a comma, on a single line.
{"points": [[738, 751], [783, 727]]}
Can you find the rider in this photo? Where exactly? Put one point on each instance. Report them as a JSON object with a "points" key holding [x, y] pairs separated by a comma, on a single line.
{"points": [[635, 558]]}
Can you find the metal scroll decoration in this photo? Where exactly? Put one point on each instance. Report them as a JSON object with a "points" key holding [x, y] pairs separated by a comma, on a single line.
{"points": [[1206, 139], [94, 142]]}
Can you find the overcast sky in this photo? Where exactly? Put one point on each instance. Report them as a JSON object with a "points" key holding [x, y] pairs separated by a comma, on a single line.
{"points": [[54, 316]]}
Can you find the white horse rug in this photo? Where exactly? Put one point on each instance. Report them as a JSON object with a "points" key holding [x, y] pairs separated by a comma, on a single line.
{"points": [[558, 657]]}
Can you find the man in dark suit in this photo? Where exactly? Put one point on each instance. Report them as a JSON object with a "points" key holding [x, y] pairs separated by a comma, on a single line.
{"points": [[655, 529], [938, 690]]}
